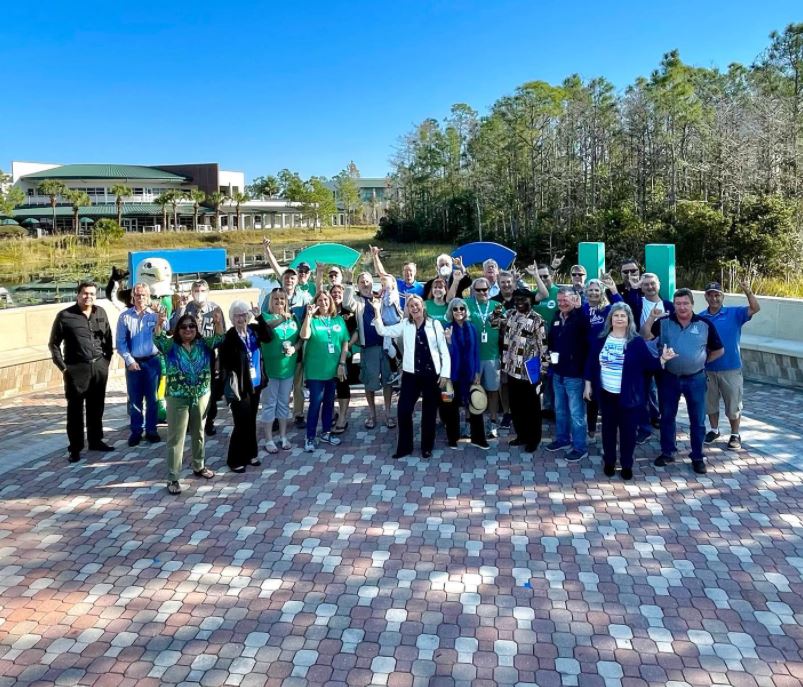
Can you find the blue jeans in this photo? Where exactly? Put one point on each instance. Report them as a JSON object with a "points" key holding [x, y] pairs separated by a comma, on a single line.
{"points": [[142, 385], [692, 388], [321, 393], [570, 412]]}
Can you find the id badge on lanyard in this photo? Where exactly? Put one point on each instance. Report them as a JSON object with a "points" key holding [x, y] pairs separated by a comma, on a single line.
{"points": [[484, 336], [331, 347]]}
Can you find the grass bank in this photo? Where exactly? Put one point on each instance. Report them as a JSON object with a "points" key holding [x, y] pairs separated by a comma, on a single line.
{"points": [[71, 258]]}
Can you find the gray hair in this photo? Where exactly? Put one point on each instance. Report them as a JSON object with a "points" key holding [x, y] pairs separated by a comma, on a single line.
{"points": [[444, 256], [631, 332], [684, 293], [476, 281], [141, 285], [452, 305], [490, 262], [566, 291], [651, 275], [237, 308]]}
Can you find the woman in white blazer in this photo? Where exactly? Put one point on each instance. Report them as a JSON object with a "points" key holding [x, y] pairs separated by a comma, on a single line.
{"points": [[426, 368]]}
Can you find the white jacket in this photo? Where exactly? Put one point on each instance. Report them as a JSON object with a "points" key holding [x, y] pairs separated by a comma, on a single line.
{"points": [[435, 338]]}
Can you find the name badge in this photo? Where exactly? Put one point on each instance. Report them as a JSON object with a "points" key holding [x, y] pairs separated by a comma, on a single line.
{"points": [[331, 348], [484, 337], [253, 372]]}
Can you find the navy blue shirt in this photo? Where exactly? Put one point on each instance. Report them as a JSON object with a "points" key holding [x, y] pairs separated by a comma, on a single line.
{"points": [[372, 338], [569, 338]]}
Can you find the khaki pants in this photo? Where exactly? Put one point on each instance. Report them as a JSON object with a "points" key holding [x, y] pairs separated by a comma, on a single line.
{"points": [[183, 413]]}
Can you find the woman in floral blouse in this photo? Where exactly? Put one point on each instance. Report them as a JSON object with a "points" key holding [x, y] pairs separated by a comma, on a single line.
{"points": [[522, 339], [187, 358]]}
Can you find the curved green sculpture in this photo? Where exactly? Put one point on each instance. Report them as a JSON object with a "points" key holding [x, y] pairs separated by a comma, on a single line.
{"points": [[328, 254]]}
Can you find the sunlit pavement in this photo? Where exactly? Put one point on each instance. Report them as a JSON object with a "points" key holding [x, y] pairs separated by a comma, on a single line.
{"points": [[344, 567]]}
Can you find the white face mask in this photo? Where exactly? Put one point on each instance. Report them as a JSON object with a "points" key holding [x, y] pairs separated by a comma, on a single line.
{"points": [[445, 271], [199, 297]]}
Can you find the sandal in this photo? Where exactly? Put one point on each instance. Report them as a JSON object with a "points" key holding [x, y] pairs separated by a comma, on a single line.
{"points": [[340, 430], [206, 473], [370, 423], [285, 444], [391, 422], [255, 462], [173, 488], [271, 447]]}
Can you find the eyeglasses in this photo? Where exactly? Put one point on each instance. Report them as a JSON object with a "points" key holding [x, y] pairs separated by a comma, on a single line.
{"points": [[187, 326], [633, 271], [480, 290], [458, 308], [578, 274]]}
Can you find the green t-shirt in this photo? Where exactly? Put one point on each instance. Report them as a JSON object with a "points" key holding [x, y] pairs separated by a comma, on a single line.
{"points": [[437, 312], [548, 307], [320, 361], [277, 364], [480, 316]]}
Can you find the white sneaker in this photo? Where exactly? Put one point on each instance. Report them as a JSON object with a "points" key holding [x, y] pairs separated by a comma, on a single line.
{"points": [[309, 445], [491, 430], [284, 444], [271, 447], [329, 438]]}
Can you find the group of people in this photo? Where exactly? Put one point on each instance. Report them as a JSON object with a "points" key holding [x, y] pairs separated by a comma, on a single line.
{"points": [[483, 352]]}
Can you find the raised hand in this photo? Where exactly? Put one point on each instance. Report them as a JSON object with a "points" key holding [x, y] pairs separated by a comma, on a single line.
{"points": [[376, 303], [557, 261], [532, 269], [375, 250], [255, 311], [312, 309], [668, 353], [217, 317], [266, 243]]}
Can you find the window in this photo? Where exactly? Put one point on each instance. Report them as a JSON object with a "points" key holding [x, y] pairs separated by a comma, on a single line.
{"points": [[138, 191]]}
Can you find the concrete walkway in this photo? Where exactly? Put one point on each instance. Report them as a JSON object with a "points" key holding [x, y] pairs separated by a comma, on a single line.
{"points": [[344, 567]]}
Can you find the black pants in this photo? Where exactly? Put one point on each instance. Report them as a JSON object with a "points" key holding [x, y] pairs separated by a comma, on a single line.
{"points": [[85, 383], [622, 421], [592, 413], [450, 416], [525, 409], [216, 387], [243, 442], [414, 386]]}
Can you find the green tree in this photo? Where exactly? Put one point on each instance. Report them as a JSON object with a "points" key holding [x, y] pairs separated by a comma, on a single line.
{"points": [[217, 199], [348, 191], [238, 197], [10, 196], [291, 186], [766, 235], [106, 230], [52, 189], [197, 197], [318, 203], [265, 187], [77, 199], [120, 191], [163, 200], [174, 197]]}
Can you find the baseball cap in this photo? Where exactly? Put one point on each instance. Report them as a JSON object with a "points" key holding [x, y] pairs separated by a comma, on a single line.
{"points": [[713, 286], [289, 269], [303, 267]]}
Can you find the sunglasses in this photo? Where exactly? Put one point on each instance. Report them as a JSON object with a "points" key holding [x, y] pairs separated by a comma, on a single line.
{"points": [[578, 274], [635, 271], [187, 326], [480, 290], [458, 308]]}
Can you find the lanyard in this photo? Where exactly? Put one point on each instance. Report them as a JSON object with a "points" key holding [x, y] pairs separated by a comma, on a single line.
{"points": [[483, 316]]}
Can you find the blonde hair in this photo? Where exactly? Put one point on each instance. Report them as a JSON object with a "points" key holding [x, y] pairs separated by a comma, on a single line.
{"points": [[332, 310], [418, 299]]}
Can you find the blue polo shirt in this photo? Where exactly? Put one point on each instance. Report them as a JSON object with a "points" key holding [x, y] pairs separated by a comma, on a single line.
{"points": [[416, 289], [728, 322]]}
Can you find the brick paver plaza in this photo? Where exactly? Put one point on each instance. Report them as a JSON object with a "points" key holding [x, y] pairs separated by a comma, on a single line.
{"points": [[344, 567]]}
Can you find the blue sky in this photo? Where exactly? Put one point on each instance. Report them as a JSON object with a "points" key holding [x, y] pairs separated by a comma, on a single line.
{"points": [[311, 85]]}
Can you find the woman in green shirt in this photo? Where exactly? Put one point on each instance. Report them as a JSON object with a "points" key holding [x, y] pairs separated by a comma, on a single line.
{"points": [[325, 349], [437, 305], [187, 358], [280, 357]]}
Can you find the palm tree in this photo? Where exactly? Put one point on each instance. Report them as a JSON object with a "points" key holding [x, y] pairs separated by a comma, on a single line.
{"points": [[197, 197], [217, 199], [173, 197], [120, 191], [162, 200], [52, 189], [78, 199], [239, 197]]}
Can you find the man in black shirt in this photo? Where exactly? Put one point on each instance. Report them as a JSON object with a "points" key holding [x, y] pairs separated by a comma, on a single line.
{"points": [[84, 330]]}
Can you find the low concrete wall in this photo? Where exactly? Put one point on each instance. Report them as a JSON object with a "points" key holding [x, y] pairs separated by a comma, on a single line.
{"points": [[25, 362]]}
